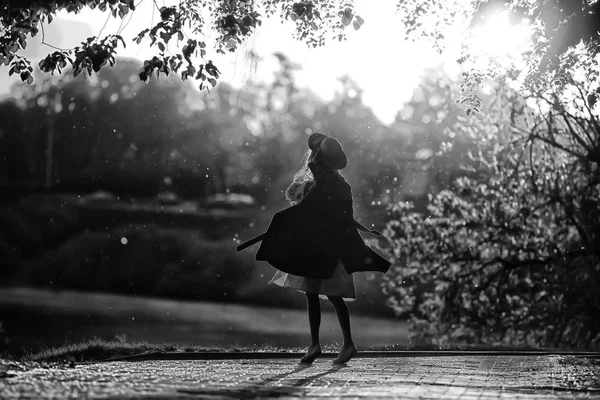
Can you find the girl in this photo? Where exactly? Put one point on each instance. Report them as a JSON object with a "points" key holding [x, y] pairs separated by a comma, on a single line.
{"points": [[315, 244]]}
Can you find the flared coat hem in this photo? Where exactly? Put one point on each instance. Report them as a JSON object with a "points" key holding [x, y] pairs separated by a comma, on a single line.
{"points": [[341, 283]]}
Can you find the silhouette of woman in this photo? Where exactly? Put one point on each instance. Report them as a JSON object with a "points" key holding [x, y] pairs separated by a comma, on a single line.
{"points": [[315, 243]]}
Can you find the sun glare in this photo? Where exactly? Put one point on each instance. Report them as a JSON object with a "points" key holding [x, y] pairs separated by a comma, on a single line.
{"points": [[501, 40]]}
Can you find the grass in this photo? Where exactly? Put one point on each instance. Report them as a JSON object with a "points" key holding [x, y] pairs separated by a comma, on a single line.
{"points": [[451, 347], [105, 328], [66, 356], [98, 349], [75, 317]]}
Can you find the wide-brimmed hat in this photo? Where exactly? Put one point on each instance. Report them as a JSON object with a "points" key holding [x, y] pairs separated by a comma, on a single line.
{"points": [[332, 153]]}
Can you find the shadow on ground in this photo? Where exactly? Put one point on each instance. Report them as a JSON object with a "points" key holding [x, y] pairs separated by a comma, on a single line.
{"points": [[268, 388]]}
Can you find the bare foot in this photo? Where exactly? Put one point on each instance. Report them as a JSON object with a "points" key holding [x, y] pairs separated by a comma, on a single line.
{"points": [[346, 354], [312, 353]]}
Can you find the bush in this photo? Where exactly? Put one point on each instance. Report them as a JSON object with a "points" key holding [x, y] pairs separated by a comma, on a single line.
{"points": [[17, 232], [510, 255], [32, 225], [144, 260], [173, 263], [49, 242], [10, 259]]}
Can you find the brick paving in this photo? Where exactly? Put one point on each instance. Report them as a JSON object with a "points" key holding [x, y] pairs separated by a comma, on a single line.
{"points": [[423, 377]]}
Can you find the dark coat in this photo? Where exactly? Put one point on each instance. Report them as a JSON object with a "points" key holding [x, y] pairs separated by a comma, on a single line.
{"points": [[308, 239]]}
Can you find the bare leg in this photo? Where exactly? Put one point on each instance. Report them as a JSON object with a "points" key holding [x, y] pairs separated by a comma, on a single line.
{"points": [[314, 319], [341, 310]]}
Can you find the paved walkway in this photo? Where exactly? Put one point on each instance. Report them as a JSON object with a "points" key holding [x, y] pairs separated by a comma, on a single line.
{"points": [[453, 377]]}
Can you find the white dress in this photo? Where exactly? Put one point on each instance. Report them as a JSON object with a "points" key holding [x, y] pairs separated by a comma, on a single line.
{"points": [[341, 283]]}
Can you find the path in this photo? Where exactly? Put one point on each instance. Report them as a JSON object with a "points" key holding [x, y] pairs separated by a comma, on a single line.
{"points": [[453, 377]]}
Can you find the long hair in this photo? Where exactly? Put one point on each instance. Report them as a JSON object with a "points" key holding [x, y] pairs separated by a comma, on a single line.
{"points": [[304, 175]]}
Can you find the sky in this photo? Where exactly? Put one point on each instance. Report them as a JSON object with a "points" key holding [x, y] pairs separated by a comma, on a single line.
{"points": [[385, 66]]}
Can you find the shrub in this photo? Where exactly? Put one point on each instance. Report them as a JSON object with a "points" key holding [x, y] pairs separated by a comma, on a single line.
{"points": [[48, 242], [144, 260], [37, 222], [510, 255], [10, 259]]}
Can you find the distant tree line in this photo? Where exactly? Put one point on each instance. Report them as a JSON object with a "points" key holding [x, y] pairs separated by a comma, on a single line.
{"points": [[111, 132]]}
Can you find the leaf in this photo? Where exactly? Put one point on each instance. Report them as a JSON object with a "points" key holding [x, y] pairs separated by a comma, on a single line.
{"points": [[358, 22], [161, 46], [165, 36], [212, 81], [119, 38], [592, 98], [347, 17], [314, 26], [123, 10]]}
